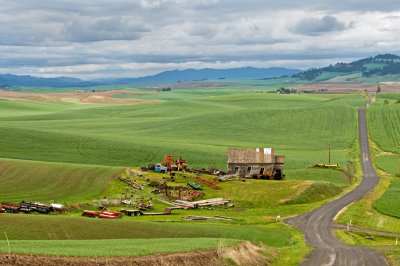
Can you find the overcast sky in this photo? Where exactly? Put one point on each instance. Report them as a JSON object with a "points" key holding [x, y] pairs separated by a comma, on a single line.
{"points": [[131, 38]]}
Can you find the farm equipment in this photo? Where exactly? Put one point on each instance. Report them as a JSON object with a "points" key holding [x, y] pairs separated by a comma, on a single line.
{"points": [[160, 168], [107, 214], [195, 186], [181, 164], [208, 182], [10, 207], [132, 212], [166, 164], [191, 195], [139, 213], [195, 193], [326, 165], [28, 207]]}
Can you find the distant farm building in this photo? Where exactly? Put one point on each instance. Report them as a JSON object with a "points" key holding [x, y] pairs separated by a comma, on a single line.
{"points": [[255, 163]]}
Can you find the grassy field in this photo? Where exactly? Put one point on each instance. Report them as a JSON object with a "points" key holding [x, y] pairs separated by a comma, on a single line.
{"points": [[125, 135], [384, 127], [58, 148], [389, 163], [64, 235], [336, 177], [43, 181], [381, 243], [112, 247], [52, 227], [389, 203], [364, 214]]}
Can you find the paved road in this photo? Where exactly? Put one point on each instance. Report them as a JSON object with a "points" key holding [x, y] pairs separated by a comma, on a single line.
{"points": [[317, 225]]}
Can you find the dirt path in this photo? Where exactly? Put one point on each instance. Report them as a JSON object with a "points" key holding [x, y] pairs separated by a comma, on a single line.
{"points": [[318, 225]]}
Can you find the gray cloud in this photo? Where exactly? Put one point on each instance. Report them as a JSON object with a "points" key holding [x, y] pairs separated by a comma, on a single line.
{"points": [[115, 28], [315, 26], [136, 37]]}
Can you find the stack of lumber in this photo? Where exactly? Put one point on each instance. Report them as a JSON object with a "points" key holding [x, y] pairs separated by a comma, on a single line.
{"points": [[204, 218], [201, 203]]}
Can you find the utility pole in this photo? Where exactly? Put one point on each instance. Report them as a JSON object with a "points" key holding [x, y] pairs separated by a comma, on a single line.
{"points": [[329, 154]]}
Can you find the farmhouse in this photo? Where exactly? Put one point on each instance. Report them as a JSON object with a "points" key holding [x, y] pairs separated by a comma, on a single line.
{"points": [[255, 162]]}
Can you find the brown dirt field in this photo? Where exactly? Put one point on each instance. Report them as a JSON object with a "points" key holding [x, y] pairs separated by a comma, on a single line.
{"points": [[346, 87], [83, 97], [242, 254]]}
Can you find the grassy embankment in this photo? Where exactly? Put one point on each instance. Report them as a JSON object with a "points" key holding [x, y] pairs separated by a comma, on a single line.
{"points": [[198, 129]]}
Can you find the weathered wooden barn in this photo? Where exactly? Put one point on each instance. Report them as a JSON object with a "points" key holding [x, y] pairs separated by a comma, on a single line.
{"points": [[255, 162]]}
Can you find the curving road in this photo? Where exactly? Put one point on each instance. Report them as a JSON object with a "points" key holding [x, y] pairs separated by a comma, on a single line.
{"points": [[318, 224]]}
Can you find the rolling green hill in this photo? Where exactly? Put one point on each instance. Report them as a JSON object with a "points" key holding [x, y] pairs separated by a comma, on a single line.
{"points": [[69, 152], [298, 126], [383, 67]]}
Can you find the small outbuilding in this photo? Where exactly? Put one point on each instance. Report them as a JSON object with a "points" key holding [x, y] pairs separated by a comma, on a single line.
{"points": [[255, 163]]}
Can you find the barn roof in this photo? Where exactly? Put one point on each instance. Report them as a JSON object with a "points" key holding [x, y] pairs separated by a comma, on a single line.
{"points": [[251, 155]]}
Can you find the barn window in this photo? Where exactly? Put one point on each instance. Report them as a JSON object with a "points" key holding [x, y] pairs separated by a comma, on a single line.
{"points": [[249, 169], [262, 170], [236, 169]]}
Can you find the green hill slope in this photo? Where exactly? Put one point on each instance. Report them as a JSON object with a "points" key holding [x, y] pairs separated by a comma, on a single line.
{"points": [[42, 181]]}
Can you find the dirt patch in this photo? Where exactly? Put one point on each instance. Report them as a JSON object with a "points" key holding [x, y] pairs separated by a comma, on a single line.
{"points": [[201, 257], [246, 254], [384, 153], [243, 254], [79, 96], [322, 87]]}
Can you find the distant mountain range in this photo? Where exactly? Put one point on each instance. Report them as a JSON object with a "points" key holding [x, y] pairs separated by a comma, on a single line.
{"points": [[210, 73], [8, 80], [383, 67]]}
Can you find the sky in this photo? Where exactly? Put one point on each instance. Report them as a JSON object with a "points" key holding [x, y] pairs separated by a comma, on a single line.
{"points": [[131, 38]]}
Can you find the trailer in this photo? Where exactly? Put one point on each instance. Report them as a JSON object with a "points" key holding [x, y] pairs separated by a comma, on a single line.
{"points": [[140, 213], [132, 212]]}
